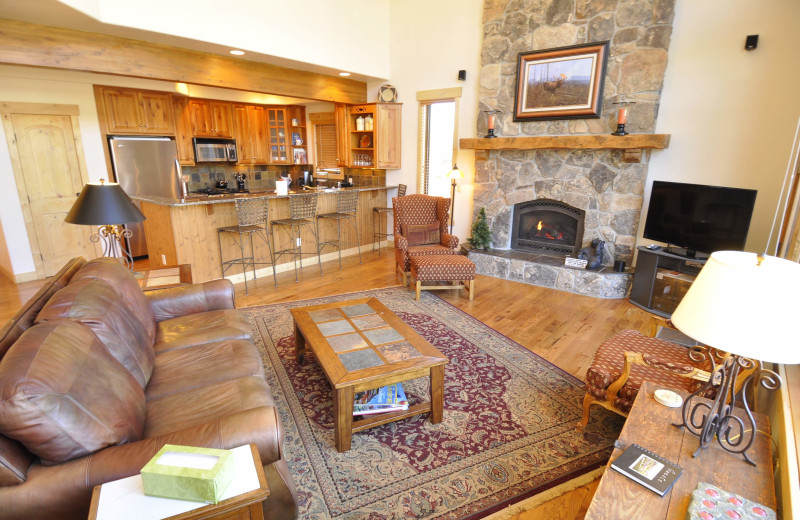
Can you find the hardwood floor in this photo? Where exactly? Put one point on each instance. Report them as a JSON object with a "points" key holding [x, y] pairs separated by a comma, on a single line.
{"points": [[563, 328]]}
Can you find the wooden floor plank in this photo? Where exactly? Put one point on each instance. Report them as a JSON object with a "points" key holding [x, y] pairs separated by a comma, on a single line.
{"points": [[563, 328]]}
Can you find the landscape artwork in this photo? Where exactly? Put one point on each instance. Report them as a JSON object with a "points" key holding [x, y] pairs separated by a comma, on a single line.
{"points": [[561, 83]]}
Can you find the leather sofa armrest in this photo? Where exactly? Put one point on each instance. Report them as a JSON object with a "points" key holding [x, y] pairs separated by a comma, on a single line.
{"points": [[449, 241], [173, 302], [259, 426], [14, 462]]}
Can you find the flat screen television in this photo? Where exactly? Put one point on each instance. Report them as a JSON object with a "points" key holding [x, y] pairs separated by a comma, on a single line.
{"points": [[698, 217]]}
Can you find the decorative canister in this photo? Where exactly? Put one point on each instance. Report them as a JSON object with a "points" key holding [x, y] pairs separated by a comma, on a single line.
{"points": [[368, 122], [359, 124]]}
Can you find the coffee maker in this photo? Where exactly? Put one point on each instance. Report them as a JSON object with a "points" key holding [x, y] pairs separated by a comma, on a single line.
{"points": [[308, 179], [240, 177]]}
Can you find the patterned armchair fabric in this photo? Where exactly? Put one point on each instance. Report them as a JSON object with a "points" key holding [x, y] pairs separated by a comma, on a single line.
{"points": [[416, 210], [659, 361]]}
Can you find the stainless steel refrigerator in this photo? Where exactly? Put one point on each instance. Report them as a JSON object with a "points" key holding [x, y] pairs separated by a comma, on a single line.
{"points": [[145, 166]]}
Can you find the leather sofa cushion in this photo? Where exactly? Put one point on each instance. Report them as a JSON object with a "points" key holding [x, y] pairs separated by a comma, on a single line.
{"points": [[98, 306], [63, 396], [208, 364], [201, 328], [14, 462], [124, 283], [206, 404]]}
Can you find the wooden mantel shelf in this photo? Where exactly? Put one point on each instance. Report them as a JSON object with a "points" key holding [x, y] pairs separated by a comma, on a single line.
{"points": [[632, 144]]}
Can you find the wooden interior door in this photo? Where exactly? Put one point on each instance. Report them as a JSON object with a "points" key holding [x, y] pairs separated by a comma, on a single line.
{"points": [[50, 168]]}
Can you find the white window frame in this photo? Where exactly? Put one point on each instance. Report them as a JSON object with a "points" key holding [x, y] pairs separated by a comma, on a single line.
{"points": [[425, 98]]}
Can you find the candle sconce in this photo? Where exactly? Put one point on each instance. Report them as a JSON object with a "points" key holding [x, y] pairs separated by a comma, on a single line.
{"points": [[622, 116], [490, 120]]}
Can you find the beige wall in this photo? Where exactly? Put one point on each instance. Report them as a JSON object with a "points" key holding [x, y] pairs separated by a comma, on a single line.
{"points": [[732, 113], [430, 43]]}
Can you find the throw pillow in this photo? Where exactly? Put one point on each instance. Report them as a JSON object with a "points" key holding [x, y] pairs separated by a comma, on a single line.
{"points": [[418, 235], [63, 396]]}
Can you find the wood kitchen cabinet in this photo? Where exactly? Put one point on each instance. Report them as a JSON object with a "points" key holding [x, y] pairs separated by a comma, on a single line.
{"points": [[211, 118], [251, 131], [129, 111], [342, 134], [277, 135], [297, 131], [183, 130], [373, 135]]}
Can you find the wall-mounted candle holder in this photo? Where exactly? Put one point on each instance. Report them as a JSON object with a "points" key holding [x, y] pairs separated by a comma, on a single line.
{"points": [[622, 116], [490, 120]]}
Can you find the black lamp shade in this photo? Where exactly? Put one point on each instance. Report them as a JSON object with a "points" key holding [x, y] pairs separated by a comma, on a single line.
{"points": [[103, 204]]}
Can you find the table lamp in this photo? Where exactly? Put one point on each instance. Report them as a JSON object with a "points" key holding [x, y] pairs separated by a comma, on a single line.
{"points": [[104, 204], [743, 304], [454, 175]]}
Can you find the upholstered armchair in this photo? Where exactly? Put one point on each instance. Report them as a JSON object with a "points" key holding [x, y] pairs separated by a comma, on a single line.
{"points": [[420, 228], [627, 359]]}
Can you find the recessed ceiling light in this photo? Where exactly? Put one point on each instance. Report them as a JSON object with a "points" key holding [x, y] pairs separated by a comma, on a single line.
{"points": [[237, 52], [344, 73]]}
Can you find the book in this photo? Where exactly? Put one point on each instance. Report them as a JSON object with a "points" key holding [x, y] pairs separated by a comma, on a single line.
{"points": [[648, 469], [710, 502], [388, 398]]}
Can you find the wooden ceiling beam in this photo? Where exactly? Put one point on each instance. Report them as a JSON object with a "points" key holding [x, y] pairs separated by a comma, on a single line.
{"points": [[34, 45]]}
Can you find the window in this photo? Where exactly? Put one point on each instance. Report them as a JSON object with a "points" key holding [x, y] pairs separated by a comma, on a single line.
{"points": [[325, 145], [437, 140]]}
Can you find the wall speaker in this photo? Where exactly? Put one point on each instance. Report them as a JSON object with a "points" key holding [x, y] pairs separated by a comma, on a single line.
{"points": [[462, 74], [751, 42]]}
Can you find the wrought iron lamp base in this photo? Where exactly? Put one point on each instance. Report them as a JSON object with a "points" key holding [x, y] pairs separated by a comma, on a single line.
{"points": [[114, 243], [717, 420]]}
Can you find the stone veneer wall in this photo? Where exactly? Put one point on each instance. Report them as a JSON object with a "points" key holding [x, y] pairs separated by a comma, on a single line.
{"points": [[597, 181]]}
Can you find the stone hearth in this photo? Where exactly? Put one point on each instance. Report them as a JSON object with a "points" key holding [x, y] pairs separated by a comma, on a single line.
{"points": [[549, 271]]}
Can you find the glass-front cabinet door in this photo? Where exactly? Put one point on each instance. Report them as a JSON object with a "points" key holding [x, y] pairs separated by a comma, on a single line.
{"points": [[278, 142]]}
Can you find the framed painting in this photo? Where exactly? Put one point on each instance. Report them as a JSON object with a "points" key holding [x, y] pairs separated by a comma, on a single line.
{"points": [[562, 83]]}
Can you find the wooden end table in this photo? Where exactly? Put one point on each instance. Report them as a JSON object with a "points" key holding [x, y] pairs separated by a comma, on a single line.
{"points": [[361, 345], [161, 277], [649, 425], [125, 498]]}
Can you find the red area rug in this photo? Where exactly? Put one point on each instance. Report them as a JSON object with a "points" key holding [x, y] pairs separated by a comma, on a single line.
{"points": [[508, 430]]}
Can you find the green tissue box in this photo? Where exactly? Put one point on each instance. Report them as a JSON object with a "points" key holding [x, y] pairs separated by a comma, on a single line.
{"points": [[188, 473]]}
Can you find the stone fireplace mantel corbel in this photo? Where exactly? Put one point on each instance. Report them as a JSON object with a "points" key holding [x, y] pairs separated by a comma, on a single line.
{"points": [[632, 144]]}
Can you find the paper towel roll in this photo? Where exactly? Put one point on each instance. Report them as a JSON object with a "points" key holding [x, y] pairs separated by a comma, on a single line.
{"points": [[281, 188]]}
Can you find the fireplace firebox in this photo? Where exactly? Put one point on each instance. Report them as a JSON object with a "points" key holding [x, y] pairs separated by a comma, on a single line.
{"points": [[548, 227]]}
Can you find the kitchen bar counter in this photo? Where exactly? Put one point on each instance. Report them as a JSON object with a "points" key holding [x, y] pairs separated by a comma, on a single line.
{"points": [[194, 199], [186, 232]]}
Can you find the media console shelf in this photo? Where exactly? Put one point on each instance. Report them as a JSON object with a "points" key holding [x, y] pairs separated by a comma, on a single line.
{"points": [[661, 279]]}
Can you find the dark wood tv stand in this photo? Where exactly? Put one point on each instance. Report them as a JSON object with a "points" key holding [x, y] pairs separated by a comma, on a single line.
{"points": [[661, 279]]}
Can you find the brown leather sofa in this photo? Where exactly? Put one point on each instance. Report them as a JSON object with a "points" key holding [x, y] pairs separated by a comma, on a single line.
{"points": [[96, 376]]}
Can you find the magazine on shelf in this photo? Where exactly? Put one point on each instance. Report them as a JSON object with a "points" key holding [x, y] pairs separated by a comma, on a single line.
{"points": [[388, 398], [648, 469]]}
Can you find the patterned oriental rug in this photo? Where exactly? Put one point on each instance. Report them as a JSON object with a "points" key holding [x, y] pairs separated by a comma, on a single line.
{"points": [[508, 430]]}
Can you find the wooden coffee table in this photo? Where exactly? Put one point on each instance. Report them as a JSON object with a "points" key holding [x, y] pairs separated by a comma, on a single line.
{"points": [[360, 345]]}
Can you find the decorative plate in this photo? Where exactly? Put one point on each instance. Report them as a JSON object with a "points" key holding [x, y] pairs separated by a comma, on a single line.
{"points": [[387, 94], [365, 141]]}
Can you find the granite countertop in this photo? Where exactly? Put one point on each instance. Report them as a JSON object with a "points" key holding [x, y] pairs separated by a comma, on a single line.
{"points": [[195, 199]]}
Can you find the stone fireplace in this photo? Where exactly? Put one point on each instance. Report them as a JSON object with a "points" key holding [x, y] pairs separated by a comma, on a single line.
{"points": [[598, 182], [547, 226]]}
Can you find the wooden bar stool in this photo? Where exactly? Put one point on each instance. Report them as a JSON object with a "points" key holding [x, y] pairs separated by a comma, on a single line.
{"points": [[379, 233], [346, 208], [251, 216], [302, 213]]}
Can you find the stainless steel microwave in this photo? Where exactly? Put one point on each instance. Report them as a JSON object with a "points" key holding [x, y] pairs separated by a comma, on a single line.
{"points": [[214, 150]]}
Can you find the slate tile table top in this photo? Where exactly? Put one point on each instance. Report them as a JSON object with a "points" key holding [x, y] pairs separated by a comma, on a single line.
{"points": [[360, 344]]}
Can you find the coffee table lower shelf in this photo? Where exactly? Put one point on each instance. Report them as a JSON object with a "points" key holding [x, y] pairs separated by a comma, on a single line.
{"points": [[360, 320]]}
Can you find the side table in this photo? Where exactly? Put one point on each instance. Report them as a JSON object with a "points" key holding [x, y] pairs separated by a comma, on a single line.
{"points": [[125, 499], [649, 425], [160, 277]]}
